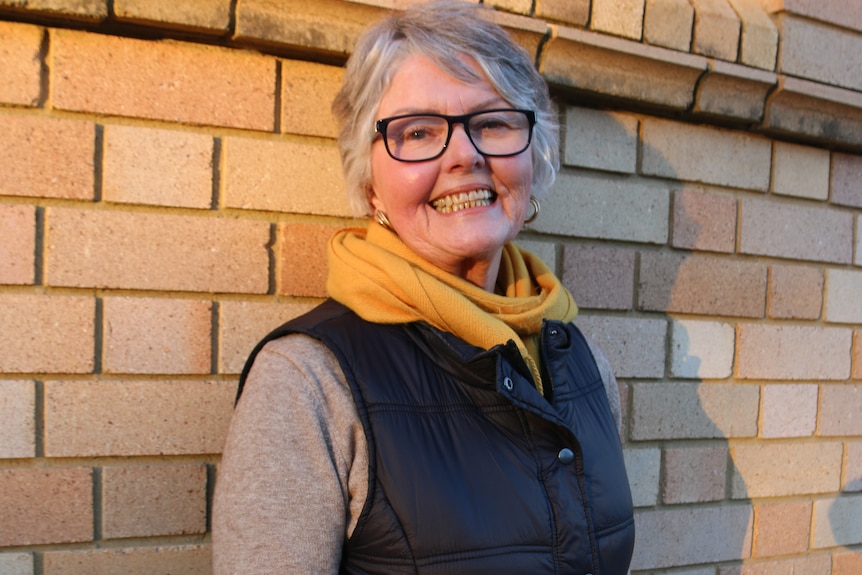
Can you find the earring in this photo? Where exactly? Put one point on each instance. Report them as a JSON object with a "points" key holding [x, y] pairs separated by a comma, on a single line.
{"points": [[382, 220], [532, 218]]}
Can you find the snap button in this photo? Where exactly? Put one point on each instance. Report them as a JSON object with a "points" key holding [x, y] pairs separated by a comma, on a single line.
{"points": [[566, 455], [508, 384], [553, 332]]}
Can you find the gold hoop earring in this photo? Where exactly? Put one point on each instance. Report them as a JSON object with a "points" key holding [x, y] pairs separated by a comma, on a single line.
{"points": [[532, 218], [382, 220]]}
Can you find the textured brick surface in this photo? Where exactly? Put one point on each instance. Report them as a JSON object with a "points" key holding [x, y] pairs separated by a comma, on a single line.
{"points": [[703, 221], [734, 91], [618, 17], [20, 60], [759, 42], [601, 140], [669, 23], [695, 474], [844, 296], [781, 469], [16, 563], [782, 528], [213, 16], [547, 251], [795, 292], [792, 352], [18, 248], [163, 80], [845, 177], [46, 334], [853, 467], [858, 259], [813, 565], [84, 418], [643, 467], [304, 86], [836, 521], [303, 258], [158, 167], [575, 12], [46, 157], [155, 251], [840, 406], [46, 506], [800, 171], [701, 349], [789, 410], [599, 277], [83, 9], [798, 35], [716, 29], [634, 346], [857, 356], [17, 419], [185, 560], [849, 563]]}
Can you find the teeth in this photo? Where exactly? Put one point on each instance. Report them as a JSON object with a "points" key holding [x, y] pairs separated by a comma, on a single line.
{"points": [[462, 201]]}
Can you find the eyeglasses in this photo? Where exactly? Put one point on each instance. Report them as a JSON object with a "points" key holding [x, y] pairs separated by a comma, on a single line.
{"points": [[422, 137]]}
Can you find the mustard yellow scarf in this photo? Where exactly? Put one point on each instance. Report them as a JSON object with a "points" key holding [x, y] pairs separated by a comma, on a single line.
{"points": [[374, 274]]}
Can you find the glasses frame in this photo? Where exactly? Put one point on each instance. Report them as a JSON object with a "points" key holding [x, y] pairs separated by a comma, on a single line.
{"points": [[381, 125]]}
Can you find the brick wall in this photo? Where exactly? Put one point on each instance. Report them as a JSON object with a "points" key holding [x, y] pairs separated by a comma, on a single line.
{"points": [[169, 177]]}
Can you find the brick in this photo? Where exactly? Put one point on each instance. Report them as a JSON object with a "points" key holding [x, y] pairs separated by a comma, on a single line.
{"points": [[211, 16], [849, 563], [812, 233], [789, 410], [634, 346], [601, 140], [46, 157], [157, 335], [795, 292], [42, 506], [708, 285], [606, 208], [853, 467], [150, 500], [575, 12], [599, 277], [692, 535], [518, 6], [618, 17], [800, 171], [846, 180], [733, 91], [716, 29], [185, 560], [782, 528], [783, 469], [643, 467], [701, 349], [701, 154], [843, 296], [759, 43], [304, 258], [16, 563], [47, 333], [813, 565], [792, 352], [97, 248], [157, 167], [18, 249], [161, 80], [857, 356], [17, 420], [243, 323], [677, 410], [694, 474], [808, 50], [669, 23], [840, 406], [80, 9], [103, 418], [703, 221], [547, 251], [834, 11], [836, 521], [21, 62], [304, 86], [283, 176], [858, 260]]}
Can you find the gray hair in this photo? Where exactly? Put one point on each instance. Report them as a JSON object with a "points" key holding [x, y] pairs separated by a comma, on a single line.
{"points": [[444, 32]]}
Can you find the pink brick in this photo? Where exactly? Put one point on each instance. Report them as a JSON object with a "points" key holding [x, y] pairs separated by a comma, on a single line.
{"points": [[46, 157], [599, 277], [97, 248], [17, 419], [146, 560], [783, 469], [843, 296], [795, 292], [847, 563], [857, 355], [150, 500], [18, 248], [303, 258], [42, 506], [813, 565], [704, 221], [853, 466], [157, 167], [103, 418], [169, 81], [695, 474], [789, 410], [846, 179], [782, 528], [47, 333], [21, 62], [305, 85], [840, 406], [792, 352], [157, 335]]}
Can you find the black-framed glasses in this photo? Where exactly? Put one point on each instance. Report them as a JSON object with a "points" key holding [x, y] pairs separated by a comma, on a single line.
{"points": [[422, 137]]}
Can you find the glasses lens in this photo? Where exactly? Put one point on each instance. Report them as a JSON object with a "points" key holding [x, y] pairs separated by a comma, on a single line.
{"points": [[500, 132], [416, 137]]}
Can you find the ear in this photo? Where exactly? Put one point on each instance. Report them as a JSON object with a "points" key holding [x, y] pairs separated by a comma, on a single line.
{"points": [[374, 200]]}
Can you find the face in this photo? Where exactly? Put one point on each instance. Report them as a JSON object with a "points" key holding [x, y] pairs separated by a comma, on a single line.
{"points": [[469, 240]]}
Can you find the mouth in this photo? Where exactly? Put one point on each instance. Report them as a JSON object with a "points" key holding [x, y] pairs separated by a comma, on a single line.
{"points": [[457, 202]]}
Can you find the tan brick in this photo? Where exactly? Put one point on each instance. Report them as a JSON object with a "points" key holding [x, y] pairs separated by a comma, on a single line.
{"points": [[305, 86], [694, 474], [242, 324], [21, 62], [701, 284], [304, 258], [157, 167], [80, 9], [46, 157], [618, 17], [857, 356], [643, 467], [809, 48], [836, 521], [157, 335], [773, 228], [149, 500], [759, 43], [840, 406], [733, 91], [789, 410], [781, 528], [835, 11], [858, 259], [601, 140], [848, 563], [101, 418], [47, 334], [813, 565], [213, 16], [782, 469], [846, 180], [547, 251], [800, 171], [16, 563], [17, 419], [716, 29], [795, 292], [162, 80], [575, 12], [852, 467], [97, 248], [599, 277], [518, 6], [184, 560], [843, 296], [701, 154], [634, 346], [792, 352], [18, 248], [43, 506], [669, 23], [701, 349], [703, 221]]}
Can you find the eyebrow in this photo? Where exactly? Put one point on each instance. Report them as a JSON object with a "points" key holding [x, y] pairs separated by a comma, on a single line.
{"points": [[495, 102]]}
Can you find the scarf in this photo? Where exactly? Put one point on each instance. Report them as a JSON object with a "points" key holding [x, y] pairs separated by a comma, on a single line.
{"points": [[376, 275]]}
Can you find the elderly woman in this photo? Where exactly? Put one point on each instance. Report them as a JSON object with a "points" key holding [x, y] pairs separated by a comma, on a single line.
{"points": [[440, 413]]}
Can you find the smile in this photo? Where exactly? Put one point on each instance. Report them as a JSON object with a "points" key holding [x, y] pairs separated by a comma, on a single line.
{"points": [[464, 200]]}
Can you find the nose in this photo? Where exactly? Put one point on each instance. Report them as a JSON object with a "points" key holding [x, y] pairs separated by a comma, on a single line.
{"points": [[460, 150]]}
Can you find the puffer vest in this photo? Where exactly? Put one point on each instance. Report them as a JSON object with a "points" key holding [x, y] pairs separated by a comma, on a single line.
{"points": [[472, 470]]}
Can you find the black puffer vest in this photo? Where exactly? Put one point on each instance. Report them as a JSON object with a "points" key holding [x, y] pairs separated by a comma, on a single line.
{"points": [[471, 470]]}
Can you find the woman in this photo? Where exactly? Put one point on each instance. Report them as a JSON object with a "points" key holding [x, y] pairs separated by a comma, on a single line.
{"points": [[440, 413]]}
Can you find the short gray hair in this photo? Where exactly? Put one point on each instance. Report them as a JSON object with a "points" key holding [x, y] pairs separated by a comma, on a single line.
{"points": [[443, 32]]}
